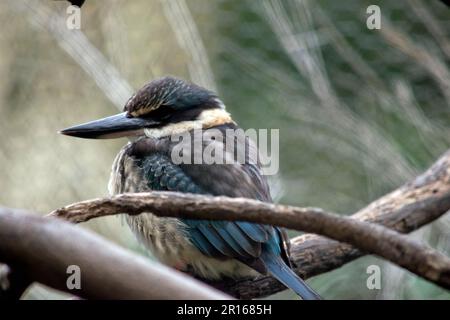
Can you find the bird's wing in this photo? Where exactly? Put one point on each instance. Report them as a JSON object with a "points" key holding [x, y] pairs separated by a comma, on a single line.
{"points": [[221, 239], [259, 246]]}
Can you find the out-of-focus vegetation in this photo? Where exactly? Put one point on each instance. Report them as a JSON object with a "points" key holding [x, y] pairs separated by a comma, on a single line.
{"points": [[360, 111]]}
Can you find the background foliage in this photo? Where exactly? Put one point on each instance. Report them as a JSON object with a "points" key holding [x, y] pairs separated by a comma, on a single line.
{"points": [[360, 111]]}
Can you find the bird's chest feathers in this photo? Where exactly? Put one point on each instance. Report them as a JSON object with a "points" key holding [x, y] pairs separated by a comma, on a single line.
{"points": [[164, 236]]}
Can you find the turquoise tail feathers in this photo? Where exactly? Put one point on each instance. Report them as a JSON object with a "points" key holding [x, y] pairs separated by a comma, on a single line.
{"points": [[279, 270]]}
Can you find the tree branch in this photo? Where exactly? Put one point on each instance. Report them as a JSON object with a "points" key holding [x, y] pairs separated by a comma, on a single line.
{"points": [[409, 207], [44, 248], [366, 236]]}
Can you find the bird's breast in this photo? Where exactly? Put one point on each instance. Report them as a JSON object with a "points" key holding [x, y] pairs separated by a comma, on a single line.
{"points": [[165, 237]]}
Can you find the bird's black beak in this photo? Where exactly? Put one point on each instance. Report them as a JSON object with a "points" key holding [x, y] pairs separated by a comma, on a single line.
{"points": [[119, 125]]}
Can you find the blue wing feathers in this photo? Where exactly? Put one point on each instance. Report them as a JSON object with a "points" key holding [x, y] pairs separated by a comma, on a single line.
{"points": [[241, 240], [203, 244], [231, 239], [255, 231], [252, 248], [215, 239]]}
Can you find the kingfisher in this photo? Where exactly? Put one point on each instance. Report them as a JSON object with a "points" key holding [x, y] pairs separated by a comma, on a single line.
{"points": [[153, 119]]}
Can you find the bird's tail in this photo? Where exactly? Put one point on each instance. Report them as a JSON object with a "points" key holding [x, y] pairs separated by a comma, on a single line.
{"points": [[279, 270]]}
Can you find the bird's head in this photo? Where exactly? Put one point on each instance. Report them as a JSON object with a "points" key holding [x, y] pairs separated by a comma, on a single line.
{"points": [[162, 107]]}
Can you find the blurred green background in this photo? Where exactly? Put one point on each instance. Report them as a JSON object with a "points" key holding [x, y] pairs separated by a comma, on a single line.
{"points": [[360, 111]]}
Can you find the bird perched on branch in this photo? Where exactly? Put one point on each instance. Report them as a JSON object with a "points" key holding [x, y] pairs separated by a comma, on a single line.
{"points": [[155, 118]]}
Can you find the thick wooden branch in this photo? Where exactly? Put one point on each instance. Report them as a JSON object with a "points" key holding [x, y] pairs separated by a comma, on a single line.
{"points": [[366, 236], [406, 209], [42, 249]]}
